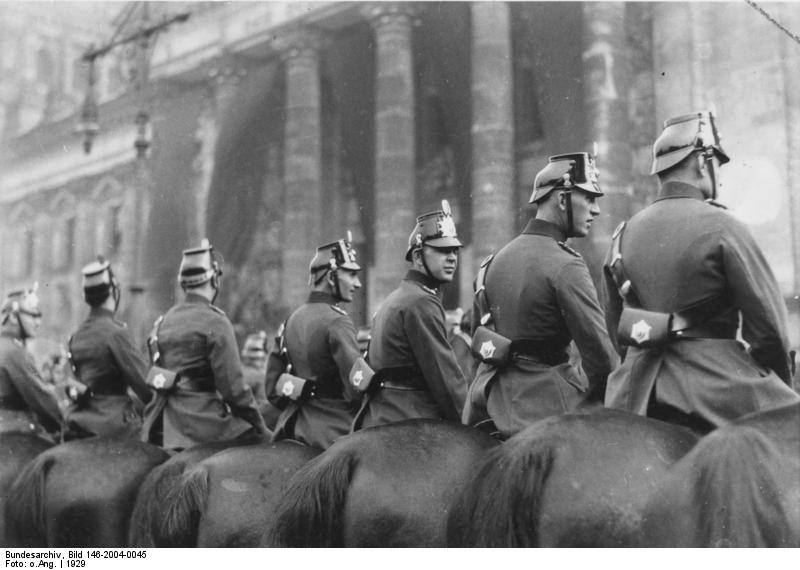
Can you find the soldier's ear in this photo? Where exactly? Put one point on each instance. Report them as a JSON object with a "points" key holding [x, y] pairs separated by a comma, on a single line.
{"points": [[562, 200]]}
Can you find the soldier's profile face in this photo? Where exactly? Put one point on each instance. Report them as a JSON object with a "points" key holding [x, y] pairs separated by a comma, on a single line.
{"points": [[348, 283], [585, 208], [442, 262]]}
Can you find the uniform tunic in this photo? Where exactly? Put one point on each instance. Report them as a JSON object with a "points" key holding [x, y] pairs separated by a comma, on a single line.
{"points": [[321, 341], [681, 251], [108, 363], [25, 402], [541, 293], [210, 401], [409, 334]]}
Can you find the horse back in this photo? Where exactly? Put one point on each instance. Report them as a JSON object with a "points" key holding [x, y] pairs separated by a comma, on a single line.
{"points": [[80, 494]]}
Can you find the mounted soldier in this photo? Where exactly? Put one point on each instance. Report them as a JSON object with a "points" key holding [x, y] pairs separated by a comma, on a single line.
{"points": [[416, 372], [308, 369], [197, 374], [532, 299], [26, 405], [679, 276], [106, 364]]}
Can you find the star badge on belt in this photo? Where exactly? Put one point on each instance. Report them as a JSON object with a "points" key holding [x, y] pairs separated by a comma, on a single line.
{"points": [[158, 381], [640, 331], [487, 349], [288, 388], [358, 377]]}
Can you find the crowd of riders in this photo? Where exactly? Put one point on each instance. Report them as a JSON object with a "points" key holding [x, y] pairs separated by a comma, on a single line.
{"points": [[688, 326]]}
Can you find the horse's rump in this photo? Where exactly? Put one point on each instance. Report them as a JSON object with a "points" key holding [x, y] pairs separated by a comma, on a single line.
{"points": [[572, 480], [388, 486], [79, 493], [148, 511], [739, 487]]}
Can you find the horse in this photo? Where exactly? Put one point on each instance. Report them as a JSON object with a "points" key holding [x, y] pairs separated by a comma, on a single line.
{"points": [[16, 450], [385, 486], [573, 480], [160, 482], [78, 494], [740, 487], [228, 499]]}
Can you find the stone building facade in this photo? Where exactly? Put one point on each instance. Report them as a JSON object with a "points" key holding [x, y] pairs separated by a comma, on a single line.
{"points": [[277, 127]]}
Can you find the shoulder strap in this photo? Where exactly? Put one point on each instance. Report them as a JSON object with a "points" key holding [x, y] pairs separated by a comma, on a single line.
{"points": [[480, 292], [282, 348], [152, 342], [617, 268], [69, 357]]}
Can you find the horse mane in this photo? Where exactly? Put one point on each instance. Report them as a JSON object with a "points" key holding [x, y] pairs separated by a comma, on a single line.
{"points": [[25, 521], [738, 493], [311, 511], [514, 474]]}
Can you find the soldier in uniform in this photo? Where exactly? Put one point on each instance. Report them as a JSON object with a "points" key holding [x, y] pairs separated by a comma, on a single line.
{"points": [[678, 278], [106, 363], [536, 296], [26, 405], [207, 400], [254, 367], [416, 372], [319, 347]]}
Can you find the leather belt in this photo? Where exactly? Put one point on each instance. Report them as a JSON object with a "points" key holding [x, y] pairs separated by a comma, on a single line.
{"points": [[12, 404], [400, 378], [201, 384], [544, 352], [705, 330]]}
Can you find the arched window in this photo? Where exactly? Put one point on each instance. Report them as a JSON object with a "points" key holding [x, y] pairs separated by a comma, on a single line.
{"points": [[108, 218], [20, 244], [64, 225]]}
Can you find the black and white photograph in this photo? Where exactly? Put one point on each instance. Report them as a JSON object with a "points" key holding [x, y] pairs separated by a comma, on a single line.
{"points": [[436, 275]]}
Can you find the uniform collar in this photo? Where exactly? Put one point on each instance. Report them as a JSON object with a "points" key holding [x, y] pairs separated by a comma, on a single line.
{"points": [[539, 227], [195, 298], [321, 297], [96, 312], [425, 280], [676, 189]]}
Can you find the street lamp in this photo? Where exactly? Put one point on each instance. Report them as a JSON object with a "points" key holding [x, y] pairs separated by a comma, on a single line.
{"points": [[144, 38]]}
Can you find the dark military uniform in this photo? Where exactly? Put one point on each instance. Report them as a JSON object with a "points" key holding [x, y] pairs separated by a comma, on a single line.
{"points": [[321, 342], [210, 401], [25, 402], [412, 358], [542, 298], [107, 362], [680, 252]]}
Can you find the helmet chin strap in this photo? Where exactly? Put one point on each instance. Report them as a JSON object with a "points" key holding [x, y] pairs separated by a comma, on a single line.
{"points": [[425, 263], [337, 290], [570, 228], [708, 156], [23, 333]]}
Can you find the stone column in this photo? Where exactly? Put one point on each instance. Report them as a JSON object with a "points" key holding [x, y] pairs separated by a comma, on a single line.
{"points": [[302, 160], [790, 59], [606, 77], [395, 169], [224, 79], [492, 129]]}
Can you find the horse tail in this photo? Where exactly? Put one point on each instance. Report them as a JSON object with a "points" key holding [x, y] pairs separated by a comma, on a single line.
{"points": [[738, 492], [148, 511], [184, 506], [311, 511], [500, 506], [25, 521]]}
